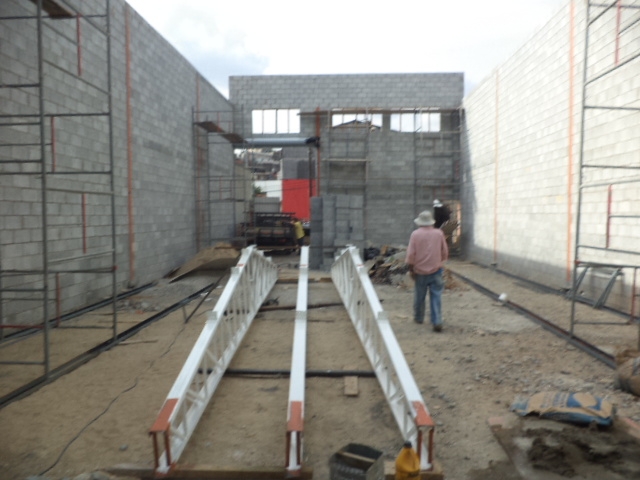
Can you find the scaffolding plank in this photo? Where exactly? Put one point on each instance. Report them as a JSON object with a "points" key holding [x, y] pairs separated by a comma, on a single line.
{"points": [[54, 9]]}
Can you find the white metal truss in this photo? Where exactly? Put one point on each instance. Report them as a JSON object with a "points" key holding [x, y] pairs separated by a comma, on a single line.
{"points": [[250, 282], [295, 411], [384, 352]]}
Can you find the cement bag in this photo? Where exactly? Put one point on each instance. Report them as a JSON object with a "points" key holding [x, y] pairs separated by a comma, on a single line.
{"points": [[628, 376], [578, 408]]}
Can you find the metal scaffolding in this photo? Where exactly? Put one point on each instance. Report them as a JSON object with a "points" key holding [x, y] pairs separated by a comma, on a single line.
{"points": [[347, 147], [34, 151], [608, 174], [212, 128]]}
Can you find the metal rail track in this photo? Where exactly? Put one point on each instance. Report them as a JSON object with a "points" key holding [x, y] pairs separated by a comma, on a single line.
{"points": [[564, 334], [75, 362]]}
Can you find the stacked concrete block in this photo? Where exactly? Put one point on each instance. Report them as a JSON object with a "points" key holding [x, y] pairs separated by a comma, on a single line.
{"points": [[317, 231], [342, 221]]}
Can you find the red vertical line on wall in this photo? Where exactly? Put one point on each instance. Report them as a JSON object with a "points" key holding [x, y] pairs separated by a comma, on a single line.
{"points": [[131, 225], [58, 306], [78, 44], [618, 19], [609, 198], [497, 156], [53, 144], [84, 223], [572, 27]]}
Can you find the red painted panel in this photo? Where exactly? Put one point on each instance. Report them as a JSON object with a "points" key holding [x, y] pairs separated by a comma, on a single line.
{"points": [[295, 197]]}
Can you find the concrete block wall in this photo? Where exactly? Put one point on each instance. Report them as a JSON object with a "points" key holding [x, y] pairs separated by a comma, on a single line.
{"points": [[393, 195], [336, 221], [308, 92], [163, 90], [522, 152]]}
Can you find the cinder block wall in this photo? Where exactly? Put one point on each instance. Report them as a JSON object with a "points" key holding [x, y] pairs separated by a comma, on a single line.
{"points": [[392, 197], [521, 142], [163, 91], [336, 221]]}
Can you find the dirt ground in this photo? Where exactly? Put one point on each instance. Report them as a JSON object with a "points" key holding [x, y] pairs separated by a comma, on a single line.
{"points": [[99, 415]]}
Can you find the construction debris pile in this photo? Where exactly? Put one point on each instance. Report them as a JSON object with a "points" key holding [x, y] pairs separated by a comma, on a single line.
{"points": [[386, 266]]}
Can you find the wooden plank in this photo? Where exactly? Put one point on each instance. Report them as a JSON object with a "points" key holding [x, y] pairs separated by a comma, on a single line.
{"points": [[270, 308], [220, 257], [354, 456], [629, 426], [351, 386], [206, 472], [436, 474], [54, 9]]}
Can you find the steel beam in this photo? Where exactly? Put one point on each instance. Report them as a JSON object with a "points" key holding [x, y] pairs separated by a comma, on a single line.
{"points": [[295, 410], [250, 282], [377, 337]]}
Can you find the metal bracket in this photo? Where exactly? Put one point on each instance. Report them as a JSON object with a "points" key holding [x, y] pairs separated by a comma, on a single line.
{"points": [[602, 299]]}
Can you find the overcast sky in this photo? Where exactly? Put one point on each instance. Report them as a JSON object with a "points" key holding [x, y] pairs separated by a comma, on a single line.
{"points": [[291, 37]]}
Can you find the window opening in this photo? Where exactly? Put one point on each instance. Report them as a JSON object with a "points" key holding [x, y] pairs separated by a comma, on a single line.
{"points": [[403, 122], [275, 121], [415, 122], [356, 119]]}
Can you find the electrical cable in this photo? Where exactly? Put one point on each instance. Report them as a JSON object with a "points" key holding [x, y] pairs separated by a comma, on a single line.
{"points": [[128, 389]]}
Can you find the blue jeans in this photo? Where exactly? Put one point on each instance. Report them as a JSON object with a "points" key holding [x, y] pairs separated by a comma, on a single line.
{"points": [[434, 284]]}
